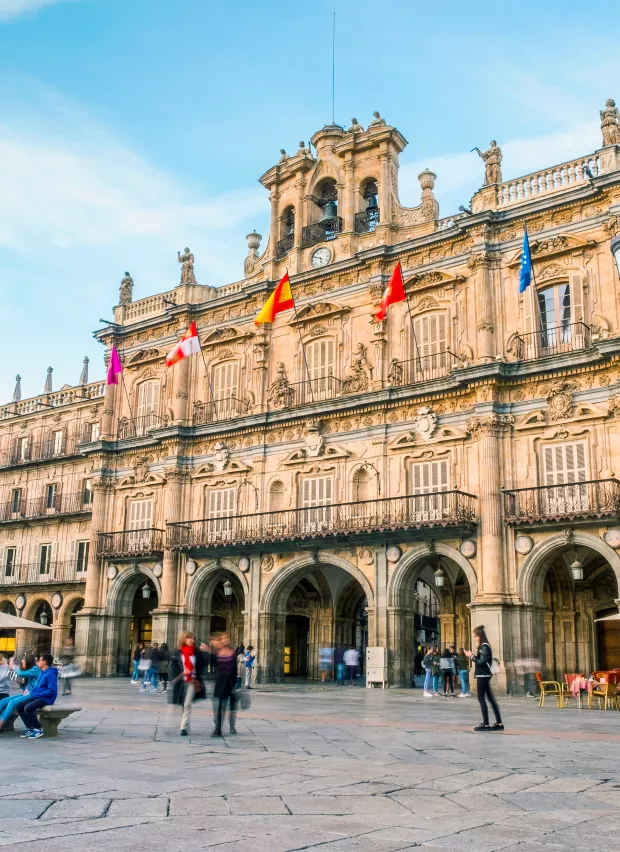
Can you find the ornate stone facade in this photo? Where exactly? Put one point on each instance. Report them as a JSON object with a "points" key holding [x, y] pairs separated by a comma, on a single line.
{"points": [[427, 440]]}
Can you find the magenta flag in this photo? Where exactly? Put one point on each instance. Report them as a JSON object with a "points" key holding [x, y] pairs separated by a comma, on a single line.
{"points": [[115, 367]]}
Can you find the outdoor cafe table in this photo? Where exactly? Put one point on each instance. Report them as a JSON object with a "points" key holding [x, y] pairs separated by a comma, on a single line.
{"points": [[581, 685]]}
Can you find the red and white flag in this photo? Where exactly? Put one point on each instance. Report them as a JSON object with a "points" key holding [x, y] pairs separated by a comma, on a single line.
{"points": [[187, 345]]}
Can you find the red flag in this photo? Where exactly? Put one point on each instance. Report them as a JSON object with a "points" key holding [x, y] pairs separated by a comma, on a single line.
{"points": [[394, 292], [187, 345]]}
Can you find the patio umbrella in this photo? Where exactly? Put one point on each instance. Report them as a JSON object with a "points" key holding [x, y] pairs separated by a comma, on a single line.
{"points": [[12, 622], [615, 617]]}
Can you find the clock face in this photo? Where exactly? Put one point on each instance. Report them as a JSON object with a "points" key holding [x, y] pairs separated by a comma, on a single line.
{"points": [[321, 257]]}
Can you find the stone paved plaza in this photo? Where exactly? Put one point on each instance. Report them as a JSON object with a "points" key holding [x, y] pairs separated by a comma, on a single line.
{"points": [[318, 767]]}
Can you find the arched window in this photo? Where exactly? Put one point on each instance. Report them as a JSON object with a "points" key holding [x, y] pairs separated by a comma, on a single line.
{"points": [[147, 412], [554, 317], [287, 233], [367, 219], [329, 224], [361, 485], [277, 496], [320, 358]]}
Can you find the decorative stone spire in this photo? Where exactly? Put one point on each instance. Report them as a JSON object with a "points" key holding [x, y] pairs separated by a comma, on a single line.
{"points": [[249, 266], [17, 393], [48, 381], [84, 373]]}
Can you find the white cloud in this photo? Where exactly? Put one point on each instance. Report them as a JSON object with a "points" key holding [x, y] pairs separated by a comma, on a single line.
{"points": [[15, 8], [460, 175]]}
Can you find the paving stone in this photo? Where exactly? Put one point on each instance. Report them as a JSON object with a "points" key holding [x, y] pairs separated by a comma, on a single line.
{"points": [[141, 807], [85, 808], [257, 805], [23, 808]]}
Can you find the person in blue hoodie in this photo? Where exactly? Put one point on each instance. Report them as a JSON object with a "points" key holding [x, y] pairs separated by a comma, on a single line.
{"points": [[28, 674], [43, 694]]}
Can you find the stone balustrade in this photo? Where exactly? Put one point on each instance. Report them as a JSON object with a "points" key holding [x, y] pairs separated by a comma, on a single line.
{"points": [[548, 181], [56, 399]]}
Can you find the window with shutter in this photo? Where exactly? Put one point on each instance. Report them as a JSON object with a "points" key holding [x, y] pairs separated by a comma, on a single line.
{"points": [[320, 356], [87, 492], [226, 388], [429, 481], [428, 359], [316, 501], [81, 562], [51, 497], [94, 431], [57, 442], [139, 524], [564, 464], [148, 406], [10, 561], [45, 558], [220, 511], [16, 501], [23, 449], [71, 554]]}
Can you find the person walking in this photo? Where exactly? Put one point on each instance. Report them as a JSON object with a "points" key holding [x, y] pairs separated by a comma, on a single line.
{"points": [[462, 665], [187, 670], [163, 662], [427, 666], [68, 653], [448, 670], [483, 658], [240, 667], [144, 665], [325, 662], [5, 678], [352, 661], [224, 687], [137, 656], [153, 672], [250, 658]]}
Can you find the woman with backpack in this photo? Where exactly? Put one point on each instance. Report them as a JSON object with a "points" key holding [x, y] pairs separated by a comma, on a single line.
{"points": [[483, 671]]}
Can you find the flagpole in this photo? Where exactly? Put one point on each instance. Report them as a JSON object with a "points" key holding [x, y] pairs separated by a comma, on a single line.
{"points": [[303, 351]]}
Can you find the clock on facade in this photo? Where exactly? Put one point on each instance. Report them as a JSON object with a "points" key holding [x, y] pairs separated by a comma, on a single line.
{"points": [[321, 257], [57, 600], [20, 602]]}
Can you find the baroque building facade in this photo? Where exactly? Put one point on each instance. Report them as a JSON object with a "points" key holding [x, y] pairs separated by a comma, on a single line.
{"points": [[333, 479]]}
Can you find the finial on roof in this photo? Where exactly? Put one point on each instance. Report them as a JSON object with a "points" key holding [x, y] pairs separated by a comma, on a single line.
{"points": [[84, 373], [48, 381], [17, 393]]}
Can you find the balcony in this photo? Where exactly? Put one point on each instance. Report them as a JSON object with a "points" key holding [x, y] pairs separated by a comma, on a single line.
{"points": [[284, 245], [35, 574], [219, 409], [367, 221], [594, 498], [320, 232], [137, 427], [358, 520], [422, 369], [45, 507], [128, 543], [315, 390], [556, 340], [27, 452]]}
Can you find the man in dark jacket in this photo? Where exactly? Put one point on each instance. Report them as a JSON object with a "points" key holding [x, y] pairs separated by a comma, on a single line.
{"points": [[225, 682], [43, 694]]}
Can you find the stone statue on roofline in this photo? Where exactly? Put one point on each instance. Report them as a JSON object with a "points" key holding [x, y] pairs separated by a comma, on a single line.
{"points": [[126, 290], [492, 163], [283, 156], [377, 120], [187, 266], [303, 150], [610, 123], [356, 127]]}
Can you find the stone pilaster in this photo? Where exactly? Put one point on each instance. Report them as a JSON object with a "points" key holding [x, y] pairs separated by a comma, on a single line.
{"points": [[108, 428], [480, 266], [379, 329], [180, 399], [166, 616]]}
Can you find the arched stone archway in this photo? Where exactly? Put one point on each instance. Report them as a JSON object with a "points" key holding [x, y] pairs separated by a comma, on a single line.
{"points": [[129, 616], [559, 617], [207, 608], [459, 590], [299, 614]]}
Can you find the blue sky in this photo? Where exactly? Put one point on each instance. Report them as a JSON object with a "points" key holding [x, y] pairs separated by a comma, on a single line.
{"points": [[131, 128]]}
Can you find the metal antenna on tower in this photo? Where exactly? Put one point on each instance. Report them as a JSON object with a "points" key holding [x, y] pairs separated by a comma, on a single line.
{"points": [[334, 69]]}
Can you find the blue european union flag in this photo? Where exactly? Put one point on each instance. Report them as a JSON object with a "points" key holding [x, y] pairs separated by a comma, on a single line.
{"points": [[525, 271]]}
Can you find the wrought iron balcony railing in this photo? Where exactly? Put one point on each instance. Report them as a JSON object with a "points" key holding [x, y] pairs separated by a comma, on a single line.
{"points": [[555, 340], [26, 452], [142, 542], [35, 573], [139, 426], [284, 245], [46, 506], [421, 369], [219, 409], [320, 232], [315, 390], [594, 498], [391, 514], [367, 221]]}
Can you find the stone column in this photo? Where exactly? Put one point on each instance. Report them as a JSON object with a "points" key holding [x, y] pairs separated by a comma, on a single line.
{"points": [[273, 227], [181, 391], [349, 190], [379, 328], [108, 429], [166, 616], [381, 614], [260, 350], [401, 624], [480, 266]]}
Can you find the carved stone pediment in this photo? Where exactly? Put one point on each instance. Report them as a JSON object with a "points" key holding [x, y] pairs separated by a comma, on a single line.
{"points": [[209, 470], [332, 452], [322, 313], [433, 278], [545, 248], [144, 356], [225, 336]]}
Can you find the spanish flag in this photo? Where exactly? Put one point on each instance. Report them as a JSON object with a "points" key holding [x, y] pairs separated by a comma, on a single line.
{"points": [[394, 292], [280, 300]]}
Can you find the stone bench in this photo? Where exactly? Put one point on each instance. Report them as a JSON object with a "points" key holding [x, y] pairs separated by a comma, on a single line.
{"points": [[49, 717]]}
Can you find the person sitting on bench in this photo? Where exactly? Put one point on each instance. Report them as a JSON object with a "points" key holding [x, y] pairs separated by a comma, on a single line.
{"points": [[43, 694]]}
